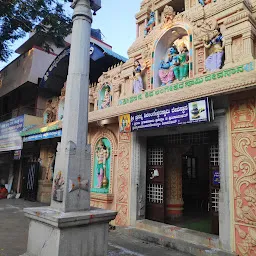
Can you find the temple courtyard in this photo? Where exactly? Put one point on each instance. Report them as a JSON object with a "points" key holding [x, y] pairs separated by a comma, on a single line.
{"points": [[14, 231]]}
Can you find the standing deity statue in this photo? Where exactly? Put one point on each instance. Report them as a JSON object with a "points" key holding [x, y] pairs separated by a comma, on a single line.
{"points": [[169, 69], [184, 63], [216, 52], [106, 102], [137, 78], [151, 23], [102, 154]]}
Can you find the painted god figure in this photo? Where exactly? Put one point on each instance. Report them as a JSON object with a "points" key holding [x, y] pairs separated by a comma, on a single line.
{"points": [[184, 63], [151, 23], [216, 52], [137, 78], [169, 69], [106, 102], [205, 2], [102, 155]]}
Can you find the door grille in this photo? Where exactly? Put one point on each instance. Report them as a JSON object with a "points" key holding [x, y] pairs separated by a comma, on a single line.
{"points": [[155, 193]]}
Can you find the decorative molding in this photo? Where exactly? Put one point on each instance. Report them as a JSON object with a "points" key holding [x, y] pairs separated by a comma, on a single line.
{"points": [[123, 179], [103, 198], [243, 130], [239, 82]]}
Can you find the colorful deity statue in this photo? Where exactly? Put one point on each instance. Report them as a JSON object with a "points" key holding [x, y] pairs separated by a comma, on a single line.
{"points": [[137, 78], [151, 23], [102, 154], [169, 69], [205, 2], [216, 52], [184, 63], [106, 102]]}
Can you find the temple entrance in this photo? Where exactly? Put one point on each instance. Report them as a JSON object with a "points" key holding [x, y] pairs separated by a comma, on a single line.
{"points": [[183, 180]]}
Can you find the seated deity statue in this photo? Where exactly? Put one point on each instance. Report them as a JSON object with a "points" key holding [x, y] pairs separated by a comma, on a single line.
{"points": [[216, 52], [102, 154], [106, 102], [168, 70]]}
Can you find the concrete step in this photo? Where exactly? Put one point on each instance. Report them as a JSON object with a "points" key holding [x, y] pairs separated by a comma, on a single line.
{"points": [[184, 234], [177, 243]]}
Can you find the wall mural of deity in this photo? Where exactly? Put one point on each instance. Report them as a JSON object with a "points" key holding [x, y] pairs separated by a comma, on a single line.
{"points": [[215, 46], [105, 98], [102, 165], [175, 64]]}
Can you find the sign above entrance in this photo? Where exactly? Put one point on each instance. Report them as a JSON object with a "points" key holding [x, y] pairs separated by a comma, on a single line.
{"points": [[179, 114]]}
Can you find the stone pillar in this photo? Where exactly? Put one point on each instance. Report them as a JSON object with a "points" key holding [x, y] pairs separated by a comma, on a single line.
{"points": [[228, 51], [137, 30], [157, 17], [69, 226], [248, 46], [174, 183]]}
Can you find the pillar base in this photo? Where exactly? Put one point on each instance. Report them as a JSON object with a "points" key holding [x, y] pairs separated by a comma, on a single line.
{"points": [[175, 210], [57, 233]]}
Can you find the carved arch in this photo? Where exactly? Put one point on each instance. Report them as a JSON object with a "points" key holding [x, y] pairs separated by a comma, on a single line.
{"points": [[168, 35], [104, 133]]}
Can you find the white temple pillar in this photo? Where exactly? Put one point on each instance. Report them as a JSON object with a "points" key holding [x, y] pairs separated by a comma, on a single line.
{"points": [[69, 226]]}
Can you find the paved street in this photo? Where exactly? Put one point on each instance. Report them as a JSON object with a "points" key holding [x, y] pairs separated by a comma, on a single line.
{"points": [[14, 231]]}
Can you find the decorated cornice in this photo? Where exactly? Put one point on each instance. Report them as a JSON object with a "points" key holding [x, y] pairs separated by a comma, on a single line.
{"points": [[241, 80]]}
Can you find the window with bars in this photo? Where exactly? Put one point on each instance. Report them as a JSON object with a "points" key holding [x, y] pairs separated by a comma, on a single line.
{"points": [[155, 156], [155, 193], [215, 200], [214, 155]]}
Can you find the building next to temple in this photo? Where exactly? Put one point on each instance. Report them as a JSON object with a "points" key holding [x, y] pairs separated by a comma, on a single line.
{"points": [[173, 128], [24, 95]]}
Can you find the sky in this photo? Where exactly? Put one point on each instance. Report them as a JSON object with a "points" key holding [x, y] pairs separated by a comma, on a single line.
{"points": [[116, 19]]}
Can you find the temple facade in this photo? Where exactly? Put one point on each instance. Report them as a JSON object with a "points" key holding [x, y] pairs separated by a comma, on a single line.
{"points": [[173, 129]]}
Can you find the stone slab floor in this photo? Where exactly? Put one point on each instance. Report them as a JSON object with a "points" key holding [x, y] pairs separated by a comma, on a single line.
{"points": [[14, 231]]}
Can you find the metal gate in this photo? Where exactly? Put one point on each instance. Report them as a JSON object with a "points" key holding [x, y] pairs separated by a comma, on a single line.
{"points": [[31, 180], [214, 188], [155, 184]]}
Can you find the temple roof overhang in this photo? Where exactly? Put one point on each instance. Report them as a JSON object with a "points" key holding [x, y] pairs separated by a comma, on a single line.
{"points": [[101, 59]]}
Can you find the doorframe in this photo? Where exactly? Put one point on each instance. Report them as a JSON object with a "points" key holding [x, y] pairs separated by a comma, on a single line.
{"points": [[138, 171]]}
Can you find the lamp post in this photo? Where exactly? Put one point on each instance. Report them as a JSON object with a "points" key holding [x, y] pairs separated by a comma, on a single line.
{"points": [[69, 227]]}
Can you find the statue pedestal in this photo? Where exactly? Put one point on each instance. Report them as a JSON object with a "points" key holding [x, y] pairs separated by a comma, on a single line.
{"points": [[53, 232]]}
